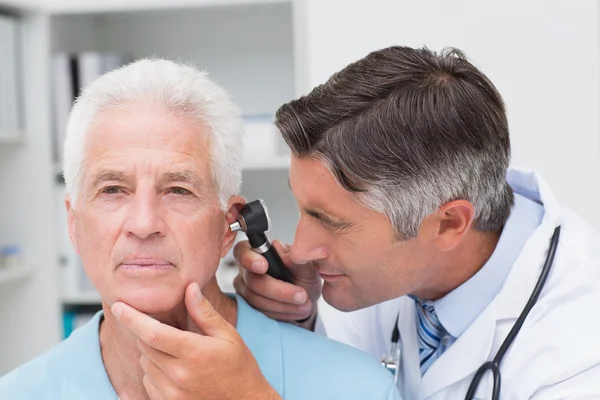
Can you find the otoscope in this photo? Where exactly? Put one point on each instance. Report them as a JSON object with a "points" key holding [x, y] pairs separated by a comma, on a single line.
{"points": [[253, 220]]}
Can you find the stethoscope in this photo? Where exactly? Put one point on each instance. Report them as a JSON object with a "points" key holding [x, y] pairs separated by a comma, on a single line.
{"points": [[391, 361]]}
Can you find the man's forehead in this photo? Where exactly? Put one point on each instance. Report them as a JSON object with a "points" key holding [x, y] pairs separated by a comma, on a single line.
{"points": [[184, 176]]}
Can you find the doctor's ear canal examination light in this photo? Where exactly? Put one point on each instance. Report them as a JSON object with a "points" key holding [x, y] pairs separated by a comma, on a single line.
{"points": [[253, 220]]}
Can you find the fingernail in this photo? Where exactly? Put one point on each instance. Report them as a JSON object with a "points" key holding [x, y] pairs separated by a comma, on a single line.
{"points": [[258, 266], [305, 307], [300, 298], [197, 292], [116, 310]]}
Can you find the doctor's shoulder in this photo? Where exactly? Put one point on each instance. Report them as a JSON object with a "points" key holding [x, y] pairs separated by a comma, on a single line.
{"points": [[326, 369], [559, 343]]}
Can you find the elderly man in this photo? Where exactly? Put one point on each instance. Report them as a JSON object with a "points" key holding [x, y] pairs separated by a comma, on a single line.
{"points": [[152, 167]]}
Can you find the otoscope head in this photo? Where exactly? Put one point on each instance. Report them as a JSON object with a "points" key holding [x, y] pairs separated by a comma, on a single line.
{"points": [[253, 218]]}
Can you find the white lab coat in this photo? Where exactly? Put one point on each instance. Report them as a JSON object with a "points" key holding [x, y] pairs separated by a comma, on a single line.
{"points": [[556, 355]]}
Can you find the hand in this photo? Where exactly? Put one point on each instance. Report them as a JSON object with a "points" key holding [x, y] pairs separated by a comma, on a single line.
{"points": [[277, 299], [185, 365]]}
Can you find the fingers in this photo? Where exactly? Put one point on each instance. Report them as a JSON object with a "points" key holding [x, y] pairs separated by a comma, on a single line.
{"points": [[249, 259], [165, 373], [266, 286], [206, 318], [151, 389], [155, 334]]}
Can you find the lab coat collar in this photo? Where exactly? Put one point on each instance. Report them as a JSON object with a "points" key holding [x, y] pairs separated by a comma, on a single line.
{"points": [[477, 340], [528, 266]]}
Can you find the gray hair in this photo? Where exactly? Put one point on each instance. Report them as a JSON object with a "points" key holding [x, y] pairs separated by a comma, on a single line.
{"points": [[178, 88], [408, 130]]}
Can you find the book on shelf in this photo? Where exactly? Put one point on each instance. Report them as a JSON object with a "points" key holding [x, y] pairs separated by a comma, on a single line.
{"points": [[71, 72], [10, 79]]}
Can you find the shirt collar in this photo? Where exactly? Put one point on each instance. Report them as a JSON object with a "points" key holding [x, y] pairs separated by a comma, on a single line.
{"points": [[459, 308]]}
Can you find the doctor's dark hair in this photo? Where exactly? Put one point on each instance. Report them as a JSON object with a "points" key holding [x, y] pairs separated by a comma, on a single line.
{"points": [[408, 130]]}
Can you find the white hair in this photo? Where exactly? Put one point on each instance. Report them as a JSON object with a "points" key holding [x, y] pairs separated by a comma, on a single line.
{"points": [[178, 88]]}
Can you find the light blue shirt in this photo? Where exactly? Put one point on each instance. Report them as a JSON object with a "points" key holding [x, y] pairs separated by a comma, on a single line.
{"points": [[459, 308], [298, 364]]}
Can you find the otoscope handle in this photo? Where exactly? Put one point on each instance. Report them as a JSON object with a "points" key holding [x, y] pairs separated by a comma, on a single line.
{"points": [[261, 244], [277, 268]]}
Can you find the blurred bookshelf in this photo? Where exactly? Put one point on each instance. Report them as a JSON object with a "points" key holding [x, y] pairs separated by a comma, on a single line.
{"points": [[12, 275]]}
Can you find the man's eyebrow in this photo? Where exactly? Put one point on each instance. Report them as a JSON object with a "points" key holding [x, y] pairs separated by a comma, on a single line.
{"points": [[189, 177], [109, 175]]}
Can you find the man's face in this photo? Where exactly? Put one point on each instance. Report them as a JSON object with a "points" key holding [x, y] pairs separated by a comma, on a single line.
{"points": [[353, 247], [147, 221]]}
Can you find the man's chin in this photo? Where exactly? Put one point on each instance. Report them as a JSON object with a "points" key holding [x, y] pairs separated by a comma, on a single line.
{"points": [[152, 300]]}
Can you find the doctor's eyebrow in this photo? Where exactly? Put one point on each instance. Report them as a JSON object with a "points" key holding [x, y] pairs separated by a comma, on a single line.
{"points": [[324, 217], [328, 220]]}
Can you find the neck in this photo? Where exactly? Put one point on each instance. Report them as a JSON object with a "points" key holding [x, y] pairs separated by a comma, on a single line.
{"points": [[121, 354], [452, 270]]}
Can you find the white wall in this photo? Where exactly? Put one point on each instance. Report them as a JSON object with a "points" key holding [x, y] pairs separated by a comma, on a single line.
{"points": [[541, 54]]}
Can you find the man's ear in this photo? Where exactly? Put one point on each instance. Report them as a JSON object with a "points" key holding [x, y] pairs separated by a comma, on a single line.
{"points": [[234, 206], [71, 222], [452, 221]]}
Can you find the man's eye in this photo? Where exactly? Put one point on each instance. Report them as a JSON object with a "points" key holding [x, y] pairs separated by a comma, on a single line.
{"points": [[180, 191], [112, 190]]}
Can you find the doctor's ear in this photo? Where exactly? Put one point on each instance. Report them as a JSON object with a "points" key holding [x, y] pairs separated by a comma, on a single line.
{"points": [[234, 205], [452, 221]]}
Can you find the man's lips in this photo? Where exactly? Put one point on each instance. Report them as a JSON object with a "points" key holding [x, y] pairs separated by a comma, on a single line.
{"points": [[146, 263]]}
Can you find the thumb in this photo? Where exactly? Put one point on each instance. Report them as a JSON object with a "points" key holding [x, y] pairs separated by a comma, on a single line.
{"points": [[203, 314]]}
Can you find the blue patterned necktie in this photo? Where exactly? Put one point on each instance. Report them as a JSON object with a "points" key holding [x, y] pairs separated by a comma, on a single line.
{"points": [[430, 333]]}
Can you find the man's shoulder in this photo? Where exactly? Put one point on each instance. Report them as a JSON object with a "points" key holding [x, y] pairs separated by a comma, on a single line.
{"points": [[333, 369], [36, 379], [57, 372]]}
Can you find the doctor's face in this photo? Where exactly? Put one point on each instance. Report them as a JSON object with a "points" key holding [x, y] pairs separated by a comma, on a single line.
{"points": [[354, 248], [147, 221]]}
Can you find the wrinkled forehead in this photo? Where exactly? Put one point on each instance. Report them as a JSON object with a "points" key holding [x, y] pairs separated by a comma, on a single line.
{"points": [[147, 138]]}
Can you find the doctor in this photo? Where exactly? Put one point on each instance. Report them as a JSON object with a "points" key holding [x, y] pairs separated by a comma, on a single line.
{"points": [[411, 217]]}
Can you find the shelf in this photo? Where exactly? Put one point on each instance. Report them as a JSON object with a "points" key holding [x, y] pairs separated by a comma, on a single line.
{"points": [[91, 298], [11, 138], [15, 274], [103, 6]]}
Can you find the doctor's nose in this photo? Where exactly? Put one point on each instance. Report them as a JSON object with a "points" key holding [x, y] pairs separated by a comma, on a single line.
{"points": [[145, 217], [308, 245]]}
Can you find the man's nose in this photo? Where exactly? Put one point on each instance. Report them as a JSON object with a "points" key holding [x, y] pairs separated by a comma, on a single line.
{"points": [[309, 245], [145, 216]]}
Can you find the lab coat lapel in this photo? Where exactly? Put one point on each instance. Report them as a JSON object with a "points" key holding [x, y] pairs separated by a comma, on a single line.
{"points": [[463, 357], [527, 268]]}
